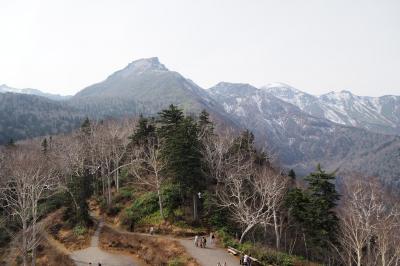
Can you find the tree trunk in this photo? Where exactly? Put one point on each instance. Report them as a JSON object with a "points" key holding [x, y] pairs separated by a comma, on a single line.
{"points": [[160, 203], [117, 180], [244, 233], [195, 216], [34, 235], [359, 257], [277, 233], [24, 245], [109, 190]]}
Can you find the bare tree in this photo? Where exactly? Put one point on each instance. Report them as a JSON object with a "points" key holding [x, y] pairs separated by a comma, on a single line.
{"points": [[27, 178], [366, 215], [277, 186], [148, 166]]}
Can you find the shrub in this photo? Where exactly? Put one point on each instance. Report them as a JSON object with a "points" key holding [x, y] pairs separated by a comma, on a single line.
{"points": [[171, 196], [177, 262], [125, 194], [143, 206], [4, 237], [80, 230], [114, 210]]}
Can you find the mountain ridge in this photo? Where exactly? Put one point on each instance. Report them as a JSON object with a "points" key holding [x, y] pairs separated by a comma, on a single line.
{"points": [[300, 139]]}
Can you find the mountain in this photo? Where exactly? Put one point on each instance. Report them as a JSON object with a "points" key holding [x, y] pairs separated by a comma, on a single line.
{"points": [[4, 88], [144, 86], [377, 114], [27, 116], [301, 140], [282, 118]]}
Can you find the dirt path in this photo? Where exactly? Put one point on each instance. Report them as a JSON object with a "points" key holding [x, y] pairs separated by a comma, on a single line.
{"points": [[209, 256], [95, 255]]}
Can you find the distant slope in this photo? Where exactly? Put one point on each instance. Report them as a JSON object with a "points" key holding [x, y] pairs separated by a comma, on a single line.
{"points": [[26, 116], [302, 140], [377, 114], [4, 89]]}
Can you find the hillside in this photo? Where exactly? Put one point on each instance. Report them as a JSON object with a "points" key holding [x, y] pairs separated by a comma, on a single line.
{"points": [[26, 116], [301, 141], [377, 114]]}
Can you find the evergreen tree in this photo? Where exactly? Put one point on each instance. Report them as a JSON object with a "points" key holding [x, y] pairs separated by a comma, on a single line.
{"points": [[313, 211], [170, 120], [180, 148], [292, 174], [11, 143], [324, 199], [205, 125], [44, 146], [85, 127], [145, 131]]}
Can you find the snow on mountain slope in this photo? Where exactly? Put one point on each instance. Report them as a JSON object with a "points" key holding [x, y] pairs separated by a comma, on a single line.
{"points": [[301, 140], [377, 114], [4, 89]]}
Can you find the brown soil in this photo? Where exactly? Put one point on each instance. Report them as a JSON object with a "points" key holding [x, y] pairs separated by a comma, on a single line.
{"points": [[63, 233], [49, 255], [153, 250]]}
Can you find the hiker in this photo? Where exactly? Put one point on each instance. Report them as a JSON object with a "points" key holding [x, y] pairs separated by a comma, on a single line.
{"points": [[196, 241], [204, 242], [246, 260], [151, 230]]}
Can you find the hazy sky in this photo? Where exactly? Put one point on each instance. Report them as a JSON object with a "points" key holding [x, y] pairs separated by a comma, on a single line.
{"points": [[313, 45]]}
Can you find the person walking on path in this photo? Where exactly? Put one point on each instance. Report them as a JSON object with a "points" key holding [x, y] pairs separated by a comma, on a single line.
{"points": [[196, 241], [211, 238], [246, 260], [204, 242]]}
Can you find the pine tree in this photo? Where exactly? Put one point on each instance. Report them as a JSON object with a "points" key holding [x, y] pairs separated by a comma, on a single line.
{"points": [[292, 174], [44, 146], [11, 143], [324, 197], [180, 148], [146, 130], [85, 127], [313, 210], [205, 125], [170, 119]]}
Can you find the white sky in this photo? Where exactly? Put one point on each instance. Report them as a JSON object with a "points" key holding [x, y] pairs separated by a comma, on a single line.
{"points": [[314, 45]]}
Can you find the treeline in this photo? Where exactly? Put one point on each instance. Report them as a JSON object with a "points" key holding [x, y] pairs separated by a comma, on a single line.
{"points": [[194, 173]]}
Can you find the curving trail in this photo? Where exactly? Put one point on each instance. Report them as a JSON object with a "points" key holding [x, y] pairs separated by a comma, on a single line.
{"points": [[209, 256], [95, 255]]}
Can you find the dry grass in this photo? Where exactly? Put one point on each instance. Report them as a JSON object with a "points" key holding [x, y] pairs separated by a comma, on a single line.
{"points": [[152, 250], [63, 233], [50, 255]]}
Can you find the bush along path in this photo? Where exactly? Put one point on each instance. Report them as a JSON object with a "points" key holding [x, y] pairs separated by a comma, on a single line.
{"points": [[96, 256]]}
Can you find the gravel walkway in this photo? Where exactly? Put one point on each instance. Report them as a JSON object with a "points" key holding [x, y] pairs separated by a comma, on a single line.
{"points": [[209, 256], [95, 255]]}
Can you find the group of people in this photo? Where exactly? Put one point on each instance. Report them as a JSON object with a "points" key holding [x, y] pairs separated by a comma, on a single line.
{"points": [[201, 241]]}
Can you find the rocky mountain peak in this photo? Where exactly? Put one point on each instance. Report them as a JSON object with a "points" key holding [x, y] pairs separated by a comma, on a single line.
{"points": [[140, 66]]}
